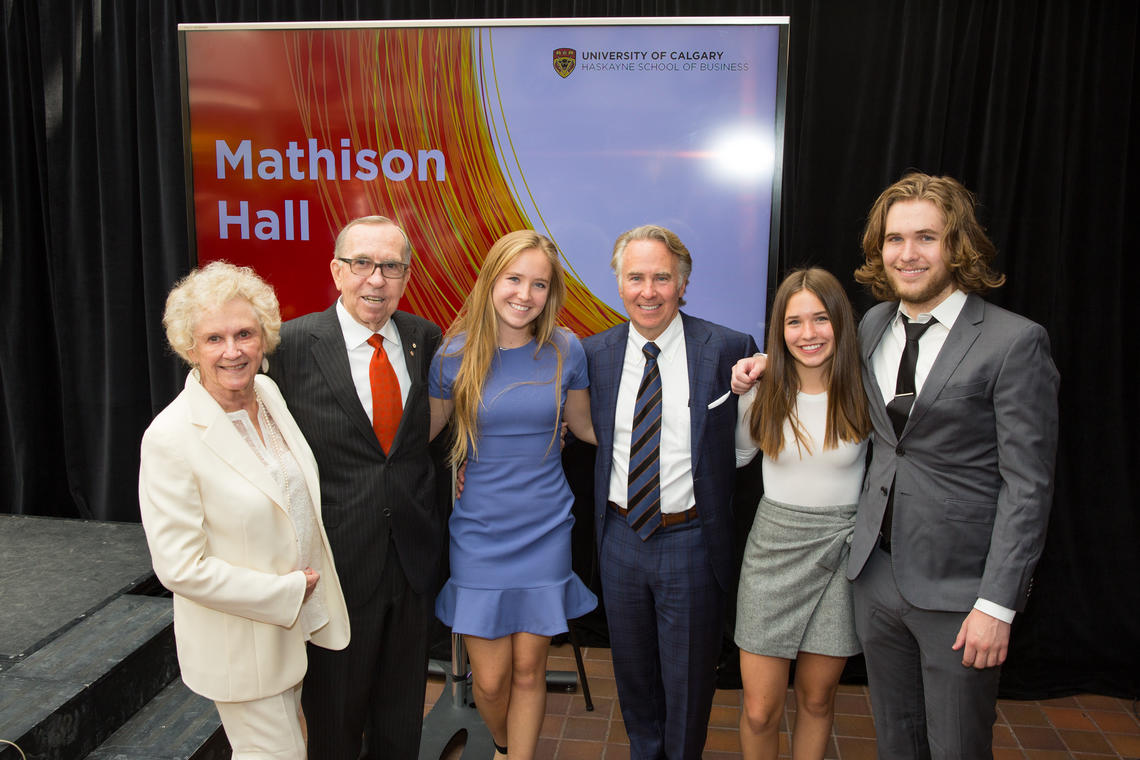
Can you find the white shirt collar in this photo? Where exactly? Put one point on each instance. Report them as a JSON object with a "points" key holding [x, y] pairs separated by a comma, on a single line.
{"points": [[946, 312], [356, 334], [669, 341]]}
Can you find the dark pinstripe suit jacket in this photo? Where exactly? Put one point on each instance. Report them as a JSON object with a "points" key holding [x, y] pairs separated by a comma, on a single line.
{"points": [[365, 494], [711, 350]]}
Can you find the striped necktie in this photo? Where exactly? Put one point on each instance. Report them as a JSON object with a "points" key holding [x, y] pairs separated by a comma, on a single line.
{"points": [[645, 450]]}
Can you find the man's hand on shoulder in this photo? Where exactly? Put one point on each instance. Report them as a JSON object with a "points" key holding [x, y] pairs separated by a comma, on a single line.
{"points": [[747, 371], [983, 640]]}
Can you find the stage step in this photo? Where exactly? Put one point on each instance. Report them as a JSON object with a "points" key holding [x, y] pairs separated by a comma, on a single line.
{"points": [[176, 725], [63, 700]]}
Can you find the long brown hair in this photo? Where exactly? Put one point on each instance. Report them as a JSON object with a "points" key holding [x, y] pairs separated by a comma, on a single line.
{"points": [[847, 417], [968, 251], [477, 322]]}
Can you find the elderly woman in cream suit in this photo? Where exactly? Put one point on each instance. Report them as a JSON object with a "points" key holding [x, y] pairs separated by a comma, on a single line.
{"points": [[230, 502]]}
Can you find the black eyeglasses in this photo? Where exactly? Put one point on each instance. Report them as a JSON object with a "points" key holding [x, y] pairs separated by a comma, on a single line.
{"points": [[392, 270]]}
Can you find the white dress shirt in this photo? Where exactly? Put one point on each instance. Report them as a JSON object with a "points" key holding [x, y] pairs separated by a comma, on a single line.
{"points": [[885, 362], [888, 354], [676, 437], [360, 353]]}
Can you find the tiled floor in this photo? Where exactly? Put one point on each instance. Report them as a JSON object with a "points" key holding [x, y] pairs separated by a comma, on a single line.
{"points": [[1084, 727]]}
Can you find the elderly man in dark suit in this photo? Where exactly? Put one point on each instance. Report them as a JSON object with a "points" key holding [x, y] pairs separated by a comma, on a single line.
{"points": [[355, 379], [963, 397], [665, 420]]}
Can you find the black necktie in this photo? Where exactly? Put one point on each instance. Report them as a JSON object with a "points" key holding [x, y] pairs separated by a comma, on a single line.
{"points": [[899, 407], [644, 501], [899, 410]]}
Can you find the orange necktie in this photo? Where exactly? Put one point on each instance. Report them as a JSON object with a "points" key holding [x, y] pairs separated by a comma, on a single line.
{"points": [[387, 408]]}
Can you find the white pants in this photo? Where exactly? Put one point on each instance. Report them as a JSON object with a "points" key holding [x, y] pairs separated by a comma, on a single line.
{"points": [[265, 729]]}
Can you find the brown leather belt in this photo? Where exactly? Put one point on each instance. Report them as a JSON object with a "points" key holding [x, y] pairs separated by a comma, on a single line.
{"points": [[668, 519]]}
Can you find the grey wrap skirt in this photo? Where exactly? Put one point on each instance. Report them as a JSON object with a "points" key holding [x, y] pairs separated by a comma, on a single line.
{"points": [[794, 594]]}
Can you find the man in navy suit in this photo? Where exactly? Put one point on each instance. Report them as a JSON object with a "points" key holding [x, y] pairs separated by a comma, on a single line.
{"points": [[666, 560]]}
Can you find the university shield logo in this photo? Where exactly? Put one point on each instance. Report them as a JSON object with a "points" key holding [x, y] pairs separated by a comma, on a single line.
{"points": [[564, 60]]}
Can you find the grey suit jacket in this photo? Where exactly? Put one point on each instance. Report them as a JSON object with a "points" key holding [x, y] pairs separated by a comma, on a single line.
{"points": [[973, 468], [366, 494], [711, 350]]}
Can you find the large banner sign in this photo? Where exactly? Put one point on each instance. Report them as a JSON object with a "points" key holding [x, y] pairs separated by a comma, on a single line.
{"points": [[464, 131]]}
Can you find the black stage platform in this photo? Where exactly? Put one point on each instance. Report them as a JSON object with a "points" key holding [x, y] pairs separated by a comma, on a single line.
{"points": [[55, 572], [87, 661]]}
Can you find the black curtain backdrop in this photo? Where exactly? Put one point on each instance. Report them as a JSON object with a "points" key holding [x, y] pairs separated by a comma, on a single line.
{"points": [[1031, 104]]}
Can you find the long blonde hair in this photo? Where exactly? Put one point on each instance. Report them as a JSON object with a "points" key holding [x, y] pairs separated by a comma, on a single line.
{"points": [[847, 416], [478, 325]]}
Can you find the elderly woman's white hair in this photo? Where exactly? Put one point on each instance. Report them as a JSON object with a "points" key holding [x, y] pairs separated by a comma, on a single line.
{"points": [[210, 287]]}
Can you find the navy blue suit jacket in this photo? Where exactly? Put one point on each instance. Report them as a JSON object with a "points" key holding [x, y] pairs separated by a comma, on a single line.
{"points": [[711, 351]]}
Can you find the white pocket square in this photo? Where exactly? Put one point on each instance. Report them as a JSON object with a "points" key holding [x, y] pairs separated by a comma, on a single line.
{"points": [[720, 400]]}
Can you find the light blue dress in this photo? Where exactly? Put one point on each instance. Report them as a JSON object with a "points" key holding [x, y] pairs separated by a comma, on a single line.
{"points": [[510, 530]]}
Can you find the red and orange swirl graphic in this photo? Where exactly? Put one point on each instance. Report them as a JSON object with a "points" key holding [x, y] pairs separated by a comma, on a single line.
{"points": [[412, 90]]}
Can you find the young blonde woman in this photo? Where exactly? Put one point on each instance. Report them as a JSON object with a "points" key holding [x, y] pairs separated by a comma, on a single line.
{"points": [[808, 415], [508, 377]]}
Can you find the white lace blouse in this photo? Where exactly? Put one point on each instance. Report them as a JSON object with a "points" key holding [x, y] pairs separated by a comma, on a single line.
{"points": [[285, 471]]}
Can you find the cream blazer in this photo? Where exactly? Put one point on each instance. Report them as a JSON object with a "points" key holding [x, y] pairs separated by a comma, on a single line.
{"points": [[221, 540]]}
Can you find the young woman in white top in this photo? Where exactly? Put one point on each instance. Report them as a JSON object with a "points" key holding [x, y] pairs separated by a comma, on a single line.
{"points": [[808, 415]]}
